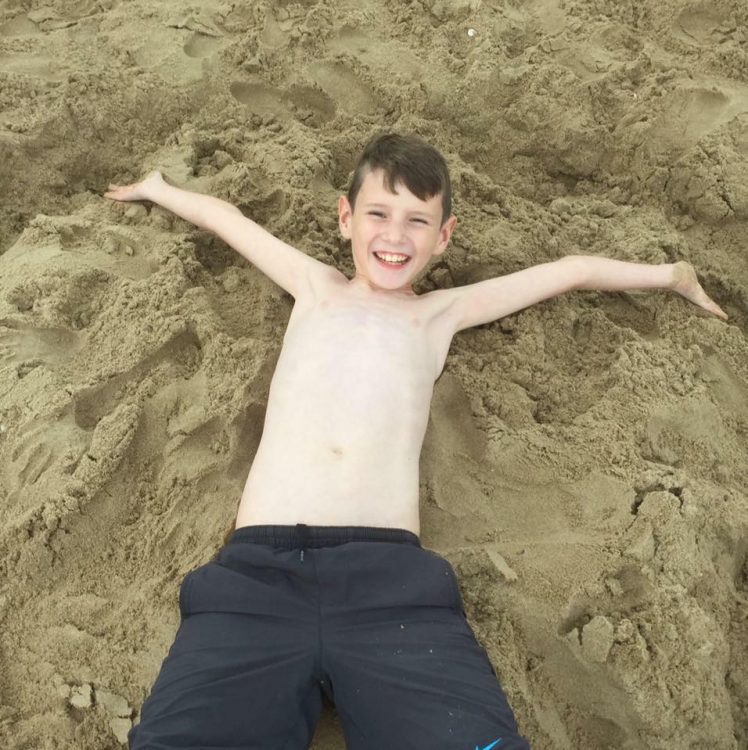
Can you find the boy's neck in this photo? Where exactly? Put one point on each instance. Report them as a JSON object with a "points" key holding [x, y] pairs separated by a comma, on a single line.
{"points": [[362, 282]]}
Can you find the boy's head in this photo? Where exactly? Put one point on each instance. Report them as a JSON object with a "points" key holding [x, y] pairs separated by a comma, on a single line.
{"points": [[399, 203], [405, 159]]}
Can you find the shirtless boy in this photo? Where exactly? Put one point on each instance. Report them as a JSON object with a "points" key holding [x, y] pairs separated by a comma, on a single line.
{"points": [[324, 588]]}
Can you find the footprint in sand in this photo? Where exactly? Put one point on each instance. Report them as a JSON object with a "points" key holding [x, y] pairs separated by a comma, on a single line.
{"points": [[691, 113], [38, 446], [32, 457], [690, 431], [30, 61], [34, 346], [179, 51], [386, 56], [336, 89], [75, 233], [183, 351], [310, 105], [199, 45], [89, 439], [607, 48], [94, 256], [345, 88], [699, 25], [307, 104], [725, 385]]}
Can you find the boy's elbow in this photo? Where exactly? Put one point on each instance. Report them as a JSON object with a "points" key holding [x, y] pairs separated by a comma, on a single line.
{"points": [[577, 265]]}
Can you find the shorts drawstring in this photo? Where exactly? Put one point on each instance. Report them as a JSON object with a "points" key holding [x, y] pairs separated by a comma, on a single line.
{"points": [[303, 531]]}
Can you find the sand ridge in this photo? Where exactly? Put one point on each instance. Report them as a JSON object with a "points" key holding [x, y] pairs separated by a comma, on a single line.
{"points": [[585, 464]]}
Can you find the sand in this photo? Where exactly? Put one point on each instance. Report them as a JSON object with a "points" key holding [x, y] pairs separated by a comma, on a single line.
{"points": [[585, 464]]}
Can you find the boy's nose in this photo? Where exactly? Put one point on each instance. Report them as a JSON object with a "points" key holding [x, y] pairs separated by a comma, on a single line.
{"points": [[393, 233]]}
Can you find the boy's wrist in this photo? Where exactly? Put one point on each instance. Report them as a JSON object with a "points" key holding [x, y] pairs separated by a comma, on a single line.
{"points": [[154, 189], [684, 277], [678, 273]]}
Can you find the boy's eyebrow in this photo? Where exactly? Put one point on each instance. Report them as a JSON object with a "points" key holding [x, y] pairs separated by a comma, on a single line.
{"points": [[383, 205]]}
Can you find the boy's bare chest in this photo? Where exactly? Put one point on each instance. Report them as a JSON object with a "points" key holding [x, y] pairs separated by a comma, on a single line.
{"points": [[352, 340]]}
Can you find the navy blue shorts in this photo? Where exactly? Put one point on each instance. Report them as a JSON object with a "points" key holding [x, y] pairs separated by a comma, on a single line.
{"points": [[286, 614]]}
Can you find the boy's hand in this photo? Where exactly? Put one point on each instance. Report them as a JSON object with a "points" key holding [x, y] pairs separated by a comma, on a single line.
{"points": [[687, 284], [138, 191]]}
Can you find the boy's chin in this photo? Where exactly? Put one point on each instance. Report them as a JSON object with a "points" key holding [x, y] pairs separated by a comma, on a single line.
{"points": [[404, 283]]}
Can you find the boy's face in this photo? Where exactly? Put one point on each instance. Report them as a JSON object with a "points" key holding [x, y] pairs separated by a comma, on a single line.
{"points": [[393, 224]]}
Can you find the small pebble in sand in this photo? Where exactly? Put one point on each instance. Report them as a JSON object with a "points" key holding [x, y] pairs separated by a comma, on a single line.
{"points": [[471, 33], [114, 704], [502, 566], [120, 729], [598, 636], [81, 696]]}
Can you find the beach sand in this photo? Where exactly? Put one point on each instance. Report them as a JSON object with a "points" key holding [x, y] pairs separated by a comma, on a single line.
{"points": [[585, 464]]}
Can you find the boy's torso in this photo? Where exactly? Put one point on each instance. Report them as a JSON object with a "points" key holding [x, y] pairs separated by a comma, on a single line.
{"points": [[348, 409]]}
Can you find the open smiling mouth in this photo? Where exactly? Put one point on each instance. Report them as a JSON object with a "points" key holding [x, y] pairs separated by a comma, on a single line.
{"points": [[392, 260]]}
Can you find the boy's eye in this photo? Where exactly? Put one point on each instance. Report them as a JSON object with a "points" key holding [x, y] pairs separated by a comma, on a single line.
{"points": [[380, 214]]}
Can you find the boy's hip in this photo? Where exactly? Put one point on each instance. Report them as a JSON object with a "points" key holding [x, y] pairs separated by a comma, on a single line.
{"points": [[307, 572]]}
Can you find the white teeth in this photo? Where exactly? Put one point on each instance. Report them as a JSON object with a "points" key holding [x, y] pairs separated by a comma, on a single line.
{"points": [[391, 258]]}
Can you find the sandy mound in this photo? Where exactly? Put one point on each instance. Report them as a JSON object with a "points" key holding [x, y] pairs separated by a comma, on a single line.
{"points": [[585, 465]]}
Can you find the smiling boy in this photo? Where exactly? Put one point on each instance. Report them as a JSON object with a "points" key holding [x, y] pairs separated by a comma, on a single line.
{"points": [[324, 588]]}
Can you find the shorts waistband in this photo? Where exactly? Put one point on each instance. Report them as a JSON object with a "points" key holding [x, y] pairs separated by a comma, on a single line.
{"points": [[303, 536]]}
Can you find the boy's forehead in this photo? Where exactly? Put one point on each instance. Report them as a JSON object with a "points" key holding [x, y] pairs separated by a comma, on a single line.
{"points": [[374, 190]]}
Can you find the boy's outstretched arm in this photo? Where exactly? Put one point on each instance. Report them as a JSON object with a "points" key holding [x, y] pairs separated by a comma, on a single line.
{"points": [[288, 267], [606, 274], [490, 300]]}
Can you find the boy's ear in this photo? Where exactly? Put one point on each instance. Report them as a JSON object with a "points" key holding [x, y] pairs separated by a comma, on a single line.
{"points": [[345, 214], [444, 234]]}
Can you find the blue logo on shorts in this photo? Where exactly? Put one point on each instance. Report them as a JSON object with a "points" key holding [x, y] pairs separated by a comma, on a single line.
{"points": [[488, 747]]}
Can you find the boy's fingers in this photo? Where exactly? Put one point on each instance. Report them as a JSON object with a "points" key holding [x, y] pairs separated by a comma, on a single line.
{"points": [[713, 307]]}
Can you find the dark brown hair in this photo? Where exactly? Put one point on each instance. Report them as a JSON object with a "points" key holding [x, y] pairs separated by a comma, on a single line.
{"points": [[409, 160]]}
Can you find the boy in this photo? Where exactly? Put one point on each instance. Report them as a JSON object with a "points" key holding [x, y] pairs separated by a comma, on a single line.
{"points": [[323, 587]]}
